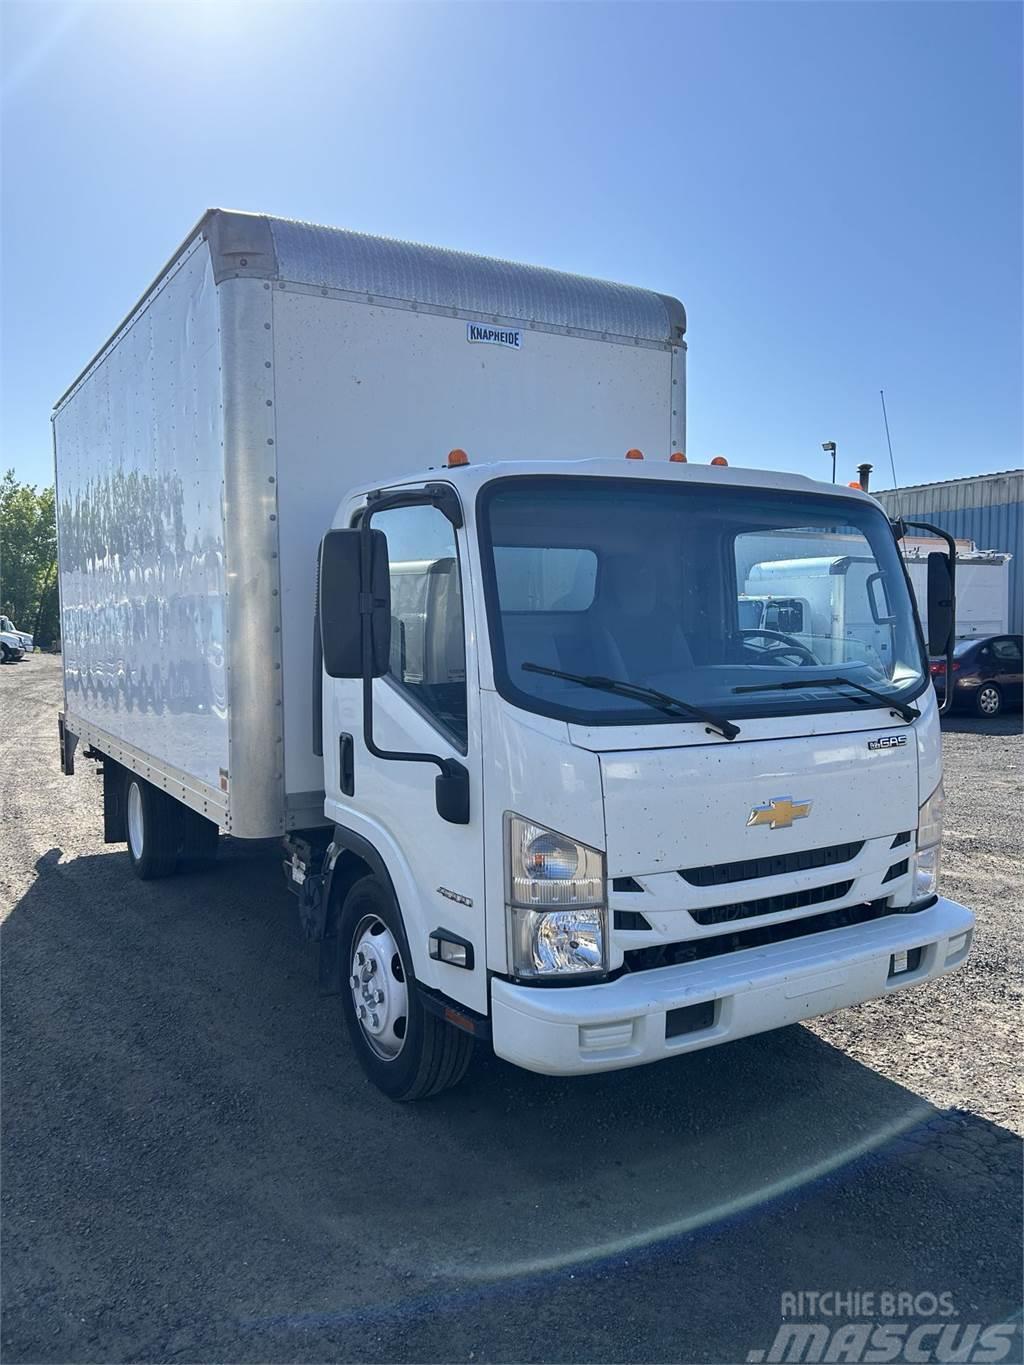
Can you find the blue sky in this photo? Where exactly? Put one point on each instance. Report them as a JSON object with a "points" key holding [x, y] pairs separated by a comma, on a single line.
{"points": [[834, 190]]}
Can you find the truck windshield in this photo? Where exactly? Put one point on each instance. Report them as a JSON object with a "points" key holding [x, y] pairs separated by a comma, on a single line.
{"points": [[694, 590]]}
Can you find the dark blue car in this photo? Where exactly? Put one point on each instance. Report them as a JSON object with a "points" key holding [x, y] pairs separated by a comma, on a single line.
{"points": [[988, 675]]}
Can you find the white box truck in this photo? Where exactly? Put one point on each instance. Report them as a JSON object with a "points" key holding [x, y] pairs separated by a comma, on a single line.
{"points": [[982, 586], [816, 599], [539, 784]]}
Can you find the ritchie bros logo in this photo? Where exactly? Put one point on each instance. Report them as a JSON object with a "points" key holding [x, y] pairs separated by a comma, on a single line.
{"points": [[881, 1327]]}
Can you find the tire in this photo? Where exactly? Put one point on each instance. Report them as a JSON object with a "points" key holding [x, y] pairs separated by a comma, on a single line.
{"points": [[988, 701], [153, 829], [6, 658], [412, 1053]]}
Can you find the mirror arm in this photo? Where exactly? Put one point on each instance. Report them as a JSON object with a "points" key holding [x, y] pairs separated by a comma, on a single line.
{"points": [[899, 526]]}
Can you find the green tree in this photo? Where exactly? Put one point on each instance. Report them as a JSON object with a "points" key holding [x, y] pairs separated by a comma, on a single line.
{"points": [[28, 558]]}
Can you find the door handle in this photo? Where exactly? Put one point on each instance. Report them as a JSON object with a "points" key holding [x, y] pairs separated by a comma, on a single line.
{"points": [[346, 765]]}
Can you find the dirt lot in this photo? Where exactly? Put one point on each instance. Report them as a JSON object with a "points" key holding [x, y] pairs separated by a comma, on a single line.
{"points": [[194, 1168]]}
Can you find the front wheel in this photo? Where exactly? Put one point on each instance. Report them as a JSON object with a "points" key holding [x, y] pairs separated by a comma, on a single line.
{"points": [[989, 700], [405, 1050]]}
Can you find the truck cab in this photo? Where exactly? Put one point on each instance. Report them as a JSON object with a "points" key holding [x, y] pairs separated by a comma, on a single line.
{"points": [[605, 821]]}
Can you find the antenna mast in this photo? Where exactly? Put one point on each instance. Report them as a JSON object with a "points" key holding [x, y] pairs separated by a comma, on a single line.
{"points": [[892, 462]]}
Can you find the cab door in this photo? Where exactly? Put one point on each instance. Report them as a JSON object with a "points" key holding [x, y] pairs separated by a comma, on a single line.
{"points": [[427, 703]]}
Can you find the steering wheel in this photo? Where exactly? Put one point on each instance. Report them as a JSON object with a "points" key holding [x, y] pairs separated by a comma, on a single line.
{"points": [[780, 649]]}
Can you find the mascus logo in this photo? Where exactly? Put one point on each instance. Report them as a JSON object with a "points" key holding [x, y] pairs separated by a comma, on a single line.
{"points": [[887, 742], [779, 812]]}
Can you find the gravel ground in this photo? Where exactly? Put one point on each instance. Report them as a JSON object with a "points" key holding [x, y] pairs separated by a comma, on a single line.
{"points": [[194, 1168]]}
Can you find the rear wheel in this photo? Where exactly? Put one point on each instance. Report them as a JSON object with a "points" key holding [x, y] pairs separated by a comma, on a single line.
{"points": [[989, 700], [405, 1050], [153, 829]]}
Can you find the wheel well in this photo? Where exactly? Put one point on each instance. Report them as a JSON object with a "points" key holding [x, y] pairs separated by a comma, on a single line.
{"points": [[357, 859], [348, 868]]}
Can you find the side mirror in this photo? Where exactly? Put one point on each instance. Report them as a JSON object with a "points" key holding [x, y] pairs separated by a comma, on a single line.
{"points": [[342, 594], [940, 605]]}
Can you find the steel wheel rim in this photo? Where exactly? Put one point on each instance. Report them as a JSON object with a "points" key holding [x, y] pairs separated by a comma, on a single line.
{"points": [[989, 701], [136, 826], [378, 982]]}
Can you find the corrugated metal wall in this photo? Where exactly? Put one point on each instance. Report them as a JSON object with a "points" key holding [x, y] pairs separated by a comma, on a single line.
{"points": [[986, 509]]}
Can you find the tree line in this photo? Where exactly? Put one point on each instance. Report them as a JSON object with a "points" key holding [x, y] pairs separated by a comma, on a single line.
{"points": [[28, 558]]}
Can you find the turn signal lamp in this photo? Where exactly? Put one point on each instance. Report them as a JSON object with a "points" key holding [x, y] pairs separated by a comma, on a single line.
{"points": [[634, 454], [456, 458], [721, 461], [677, 457]]}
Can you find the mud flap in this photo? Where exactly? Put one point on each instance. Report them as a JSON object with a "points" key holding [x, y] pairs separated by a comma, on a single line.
{"points": [[114, 830], [68, 744]]}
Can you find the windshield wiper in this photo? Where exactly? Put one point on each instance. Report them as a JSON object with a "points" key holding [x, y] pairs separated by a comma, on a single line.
{"points": [[908, 713], [661, 700]]}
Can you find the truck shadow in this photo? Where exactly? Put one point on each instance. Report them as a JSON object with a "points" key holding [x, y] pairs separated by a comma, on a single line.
{"points": [[194, 1164]]}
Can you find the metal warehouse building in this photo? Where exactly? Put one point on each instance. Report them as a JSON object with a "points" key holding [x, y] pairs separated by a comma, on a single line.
{"points": [[985, 508]]}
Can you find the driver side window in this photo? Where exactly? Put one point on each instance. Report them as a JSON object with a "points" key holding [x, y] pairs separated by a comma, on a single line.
{"points": [[428, 651]]}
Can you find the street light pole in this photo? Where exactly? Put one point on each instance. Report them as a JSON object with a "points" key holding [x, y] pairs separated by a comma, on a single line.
{"points": [[829, 447]]}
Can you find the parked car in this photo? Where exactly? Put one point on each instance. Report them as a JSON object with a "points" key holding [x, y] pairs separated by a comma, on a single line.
{"points": [[11, 647], [7, 627], [988, 675]]}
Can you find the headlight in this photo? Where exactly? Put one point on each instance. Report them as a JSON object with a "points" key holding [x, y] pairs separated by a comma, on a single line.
{"points": [[929, 845], [556, 902], [926, 874], [930, 818]]}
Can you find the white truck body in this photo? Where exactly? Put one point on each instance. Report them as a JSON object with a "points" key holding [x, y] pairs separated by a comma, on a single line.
{"points": [[982, 590], [707, 877], [826, 597], [201, 455]]}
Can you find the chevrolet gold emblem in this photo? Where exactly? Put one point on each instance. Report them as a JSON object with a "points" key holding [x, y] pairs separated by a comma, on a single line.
{"points": [[779, 812]]}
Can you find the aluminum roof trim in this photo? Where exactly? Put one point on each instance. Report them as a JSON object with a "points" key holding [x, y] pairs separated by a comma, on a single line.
{"points": [[436, 277], [261, 246]]}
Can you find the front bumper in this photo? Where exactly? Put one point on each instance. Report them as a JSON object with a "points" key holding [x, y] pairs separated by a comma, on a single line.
{"points": [[569, 1030]]}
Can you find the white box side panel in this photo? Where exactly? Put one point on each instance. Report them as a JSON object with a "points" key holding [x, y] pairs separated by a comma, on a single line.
{"points": [[982, 597], [368, 392], [141, 547]]}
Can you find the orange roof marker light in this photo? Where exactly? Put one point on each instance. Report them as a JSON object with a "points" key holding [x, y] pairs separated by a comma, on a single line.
{"points": [[634, 454], [457, 458], [677, 457], [721, 461], [855, 483]]}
